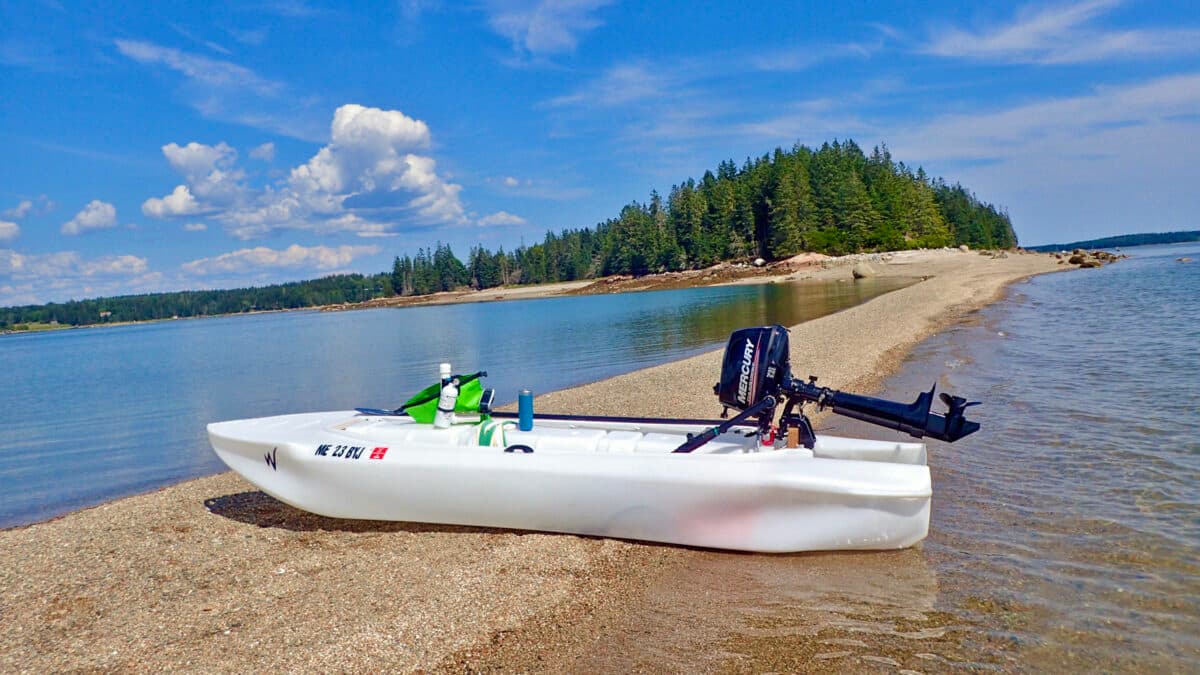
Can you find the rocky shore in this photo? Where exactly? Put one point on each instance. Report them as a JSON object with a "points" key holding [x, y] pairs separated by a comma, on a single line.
{"points": [[211, 575]]}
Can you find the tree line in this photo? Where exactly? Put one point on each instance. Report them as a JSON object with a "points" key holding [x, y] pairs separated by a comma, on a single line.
{"points": [[1139, 239], [152, 306], [833, 200]]}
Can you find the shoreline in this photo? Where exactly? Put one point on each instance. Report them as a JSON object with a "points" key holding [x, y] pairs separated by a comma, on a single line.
{"points": [[801, 267], [210, 573]]}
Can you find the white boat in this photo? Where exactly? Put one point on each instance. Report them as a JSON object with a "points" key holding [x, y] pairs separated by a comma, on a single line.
{"points": [[747, 483], [602, 478]]}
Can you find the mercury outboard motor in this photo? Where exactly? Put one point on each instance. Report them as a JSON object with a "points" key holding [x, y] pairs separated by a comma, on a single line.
{"points": [[756, 375]]}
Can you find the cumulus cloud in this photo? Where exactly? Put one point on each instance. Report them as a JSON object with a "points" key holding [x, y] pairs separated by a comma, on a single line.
{"points": [[543, 27], [68, 264], [264, 152], [510, 181], [97, 215], [322, 258], [212, 178], [196, 160], [501, 218], [120, 265], [179, 203], [195, 227], [8, 230], [36, 278], [372, 178]]}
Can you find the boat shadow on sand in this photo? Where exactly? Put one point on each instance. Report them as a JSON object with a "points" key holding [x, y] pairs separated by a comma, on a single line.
{"points": [[258, 508]]}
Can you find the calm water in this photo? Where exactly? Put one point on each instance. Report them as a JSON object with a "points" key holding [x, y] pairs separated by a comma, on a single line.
{"points": [[1070, 526], [88, 415], [1065, 535]]}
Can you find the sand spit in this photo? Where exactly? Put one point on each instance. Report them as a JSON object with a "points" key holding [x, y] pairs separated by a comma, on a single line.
{"points": [[211, 575]]}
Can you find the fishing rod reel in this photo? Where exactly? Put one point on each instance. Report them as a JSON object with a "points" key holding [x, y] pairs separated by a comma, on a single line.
{"points": [[756, 376]]}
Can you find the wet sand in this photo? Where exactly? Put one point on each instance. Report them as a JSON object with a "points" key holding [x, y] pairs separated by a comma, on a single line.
{"points": [[213, 575]]}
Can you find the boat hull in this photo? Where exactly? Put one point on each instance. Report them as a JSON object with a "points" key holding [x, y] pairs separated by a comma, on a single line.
{"points": [[585, 478]]}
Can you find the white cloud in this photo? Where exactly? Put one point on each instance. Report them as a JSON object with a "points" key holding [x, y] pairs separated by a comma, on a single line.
{"points": [[356, 125], [121, 265], [501, 218], [227, 91], [510, 181], [1120, 153], [195, 227], [199, 68], [543, 27], [619, 86], [246, 260], [795, 59], [1061, 34], [370, 179], [196, 160], [21, 210], [264, 152], [8, 231], [37, 206], [97, 215], [37, 278], [1064, 122], [213, 181], [179, 203]]}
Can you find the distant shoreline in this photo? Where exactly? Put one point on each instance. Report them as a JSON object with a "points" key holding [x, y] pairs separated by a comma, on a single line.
{"points": [[806, 266]]}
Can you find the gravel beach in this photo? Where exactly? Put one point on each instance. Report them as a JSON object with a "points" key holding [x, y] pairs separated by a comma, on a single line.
{"points": [[211, 575]]}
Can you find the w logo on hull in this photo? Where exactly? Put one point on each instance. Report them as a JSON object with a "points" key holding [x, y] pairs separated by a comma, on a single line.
{"points": [[270, 457]]}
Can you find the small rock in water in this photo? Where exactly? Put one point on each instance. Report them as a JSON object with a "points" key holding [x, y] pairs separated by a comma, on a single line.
{"points": [[1184, 259], [862, 271]]}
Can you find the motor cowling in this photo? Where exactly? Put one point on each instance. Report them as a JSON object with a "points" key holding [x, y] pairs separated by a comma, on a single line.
{"points": [[756, 362]]}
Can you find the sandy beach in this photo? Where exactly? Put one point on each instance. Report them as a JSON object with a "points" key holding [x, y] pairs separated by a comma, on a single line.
{"points": [[211, 575]]}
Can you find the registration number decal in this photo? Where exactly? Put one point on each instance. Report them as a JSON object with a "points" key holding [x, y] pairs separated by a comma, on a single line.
{"points": [[342, 451]]}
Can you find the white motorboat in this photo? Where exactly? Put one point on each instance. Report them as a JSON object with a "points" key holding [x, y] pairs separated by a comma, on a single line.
{"points": [[745, 483]]}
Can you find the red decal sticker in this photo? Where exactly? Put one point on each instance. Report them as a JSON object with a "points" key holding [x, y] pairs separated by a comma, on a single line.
{"points": [[378, 453]]}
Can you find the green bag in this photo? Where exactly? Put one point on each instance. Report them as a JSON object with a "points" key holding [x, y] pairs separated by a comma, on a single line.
{"points": [[422, 407]]}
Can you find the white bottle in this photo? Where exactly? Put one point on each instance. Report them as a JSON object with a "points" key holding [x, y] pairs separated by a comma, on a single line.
{"points": [[445, 408]]}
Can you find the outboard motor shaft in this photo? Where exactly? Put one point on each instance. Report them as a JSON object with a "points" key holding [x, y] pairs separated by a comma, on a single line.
{"points": [[914, 419]]}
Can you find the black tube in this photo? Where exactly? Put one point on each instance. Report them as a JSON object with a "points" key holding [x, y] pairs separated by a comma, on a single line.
{"points": [[913, 418]]}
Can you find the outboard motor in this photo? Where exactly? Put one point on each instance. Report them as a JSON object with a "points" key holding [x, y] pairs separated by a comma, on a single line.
{"points": [[756, 375], [756, 363]]}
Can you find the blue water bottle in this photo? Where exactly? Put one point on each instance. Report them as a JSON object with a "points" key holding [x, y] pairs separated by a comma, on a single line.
{"points": [[525, 410]]}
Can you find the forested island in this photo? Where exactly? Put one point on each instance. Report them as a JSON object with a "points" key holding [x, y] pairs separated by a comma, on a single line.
{"points": [[1141, 239], [833, 200]]}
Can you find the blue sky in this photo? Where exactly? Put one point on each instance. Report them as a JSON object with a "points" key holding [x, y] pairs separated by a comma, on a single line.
{"points": [[163, 146]]}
